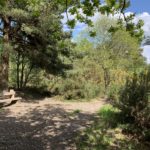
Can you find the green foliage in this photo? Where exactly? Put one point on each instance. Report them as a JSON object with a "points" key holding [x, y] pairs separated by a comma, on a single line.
{"points": [[88, 9], [99, 30], [112, 91], [79, 89], [102, 63], [35, 35], [109, 114], [83, 82], [36, 38], [74, 113], [96, 137], [2, 3], [134, 103], [106, 133], [118, 79], [134, 95]]}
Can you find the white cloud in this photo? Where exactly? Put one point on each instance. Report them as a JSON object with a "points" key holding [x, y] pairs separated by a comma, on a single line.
{"points": [[145, 16], [79, 26], [146, 53]]}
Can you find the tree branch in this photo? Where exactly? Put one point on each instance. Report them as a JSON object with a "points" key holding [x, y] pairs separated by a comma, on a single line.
{"points": [[122, 10], [67, 9]]}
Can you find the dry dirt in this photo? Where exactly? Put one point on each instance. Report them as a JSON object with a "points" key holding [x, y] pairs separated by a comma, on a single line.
{"points": [[46, 124]]}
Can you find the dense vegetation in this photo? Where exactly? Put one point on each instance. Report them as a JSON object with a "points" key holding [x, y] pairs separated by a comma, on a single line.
{"points": [[126, 124], [105, 60]]}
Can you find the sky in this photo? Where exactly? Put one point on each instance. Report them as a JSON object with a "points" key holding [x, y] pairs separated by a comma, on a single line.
{"points": [[142, 10], [139, 6]]}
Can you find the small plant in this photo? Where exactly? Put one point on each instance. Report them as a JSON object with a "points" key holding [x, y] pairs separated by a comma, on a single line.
{"points": [[109, 114], [77, 111], [74, 113]]}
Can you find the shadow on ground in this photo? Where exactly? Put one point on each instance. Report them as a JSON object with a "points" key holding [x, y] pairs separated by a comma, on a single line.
{"points": [[33, 95], [51, 128]]}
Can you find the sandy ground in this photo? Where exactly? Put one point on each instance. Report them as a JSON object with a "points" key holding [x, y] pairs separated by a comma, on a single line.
{"points": [[45, 124]]}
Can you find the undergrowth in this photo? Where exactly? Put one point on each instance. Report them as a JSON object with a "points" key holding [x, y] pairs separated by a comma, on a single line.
{"points": [[106, 133]]}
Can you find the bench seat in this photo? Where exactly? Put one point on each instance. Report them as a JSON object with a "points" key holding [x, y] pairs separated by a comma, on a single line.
{"points": [[9, 97]]}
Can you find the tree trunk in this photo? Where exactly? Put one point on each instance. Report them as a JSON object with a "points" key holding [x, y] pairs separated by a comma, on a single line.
{"points": [[27, 76], [18, 68], [106, 78], [22, 72], [5, 54]]}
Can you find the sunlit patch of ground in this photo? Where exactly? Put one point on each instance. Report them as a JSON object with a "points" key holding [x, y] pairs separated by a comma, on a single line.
{"points": [[45, 124]]}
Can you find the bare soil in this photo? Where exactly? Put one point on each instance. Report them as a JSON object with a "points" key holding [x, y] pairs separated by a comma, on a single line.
{"points": [[46, 124]]}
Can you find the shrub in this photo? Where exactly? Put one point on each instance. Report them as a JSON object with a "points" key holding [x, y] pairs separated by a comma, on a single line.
{"points": [[118, 79], [134, 102], [78, 89], [112, 92], [82, 82], [105, 133], [110, 114]]}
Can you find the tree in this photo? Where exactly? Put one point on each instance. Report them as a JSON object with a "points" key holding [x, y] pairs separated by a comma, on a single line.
{"points": [[89, 7], [101, 26], [113, 50], [26, 22], [120, 52], [32, 29]]}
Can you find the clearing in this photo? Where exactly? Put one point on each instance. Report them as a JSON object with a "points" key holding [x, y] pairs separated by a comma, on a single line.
{"points": [[46, 124]]}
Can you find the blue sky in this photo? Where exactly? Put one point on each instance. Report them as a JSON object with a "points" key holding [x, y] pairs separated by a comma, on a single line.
{"points": [[140, 6], [142, 9]]}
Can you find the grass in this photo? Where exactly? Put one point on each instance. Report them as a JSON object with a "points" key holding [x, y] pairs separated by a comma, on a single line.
{"points": [[74, 113], [106, 134]]}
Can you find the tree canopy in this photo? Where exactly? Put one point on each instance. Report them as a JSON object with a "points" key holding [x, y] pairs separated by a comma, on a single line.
{"points": [[33, 29]]}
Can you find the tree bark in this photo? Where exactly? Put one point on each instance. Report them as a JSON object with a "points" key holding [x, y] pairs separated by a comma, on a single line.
{"points": [[22, 72], [18, 68], [5, 54], [106, 77], [27, 76]]}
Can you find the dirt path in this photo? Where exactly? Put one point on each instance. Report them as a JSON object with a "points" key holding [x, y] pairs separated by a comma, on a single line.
{"points": [[45, 125]]}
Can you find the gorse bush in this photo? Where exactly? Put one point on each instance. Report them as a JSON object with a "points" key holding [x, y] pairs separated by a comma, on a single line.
{"points": [[118, 79], [82, 82], [78, 88], [134, 95], [134, 102]]}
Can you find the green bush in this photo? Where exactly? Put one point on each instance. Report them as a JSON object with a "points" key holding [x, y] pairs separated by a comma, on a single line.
{"points": [[134, 102], [82, 82], [105, 133], [78, 89], [110, 114], [112, 92]]}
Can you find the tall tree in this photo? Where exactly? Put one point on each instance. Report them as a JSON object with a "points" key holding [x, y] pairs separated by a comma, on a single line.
{"points": [[27, 22], [33, 29]]}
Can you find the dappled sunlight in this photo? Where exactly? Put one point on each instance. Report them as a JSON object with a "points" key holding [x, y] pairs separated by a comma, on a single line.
{"points": [[53, 125], [65, 89], [106, 133]]}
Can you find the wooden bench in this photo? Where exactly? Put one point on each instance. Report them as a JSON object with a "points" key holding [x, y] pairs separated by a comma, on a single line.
{"points": [[8, 97]]}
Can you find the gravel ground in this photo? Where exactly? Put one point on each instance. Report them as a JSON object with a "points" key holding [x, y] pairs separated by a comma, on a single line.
{"points": [[45, 124]]}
